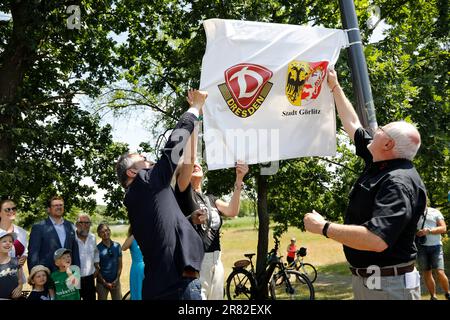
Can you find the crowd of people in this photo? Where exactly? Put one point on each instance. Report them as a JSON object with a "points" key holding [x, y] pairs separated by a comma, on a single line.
{"points": [[64, 260], [174, 235]]}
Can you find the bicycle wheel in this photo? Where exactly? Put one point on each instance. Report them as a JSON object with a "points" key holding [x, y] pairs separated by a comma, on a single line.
{"points": [[127, 296], [291, 285], [308, 270], [240, 285]]}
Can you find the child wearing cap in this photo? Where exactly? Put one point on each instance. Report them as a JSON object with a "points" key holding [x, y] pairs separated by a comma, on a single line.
{"points": [[38, 280], [67, 278], [11, 274]]}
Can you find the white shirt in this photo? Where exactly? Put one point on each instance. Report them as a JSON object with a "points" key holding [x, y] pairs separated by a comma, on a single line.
{"points": [[60, 231], [433, 216], [88, 255]]}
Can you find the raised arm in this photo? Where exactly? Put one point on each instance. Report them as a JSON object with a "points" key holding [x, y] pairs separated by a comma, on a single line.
{"points": [[173, 149], [346, 112], [231, 209], [186, 166]]}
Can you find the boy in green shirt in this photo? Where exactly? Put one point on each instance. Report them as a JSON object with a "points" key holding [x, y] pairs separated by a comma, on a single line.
{"points": [[67, 278]]}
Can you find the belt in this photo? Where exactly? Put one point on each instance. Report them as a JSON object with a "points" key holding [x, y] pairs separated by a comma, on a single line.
{"points": [[384, 272], [190, 274]]}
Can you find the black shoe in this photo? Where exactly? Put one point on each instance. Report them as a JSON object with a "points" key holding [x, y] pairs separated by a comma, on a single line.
{"points": [[447, 296], [433, 298]]}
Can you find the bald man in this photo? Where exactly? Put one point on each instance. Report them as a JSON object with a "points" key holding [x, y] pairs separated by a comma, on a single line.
{"points": [[385, 204]]}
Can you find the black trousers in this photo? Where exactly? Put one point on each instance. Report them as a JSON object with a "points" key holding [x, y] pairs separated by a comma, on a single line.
{"points": [[87, 291]]}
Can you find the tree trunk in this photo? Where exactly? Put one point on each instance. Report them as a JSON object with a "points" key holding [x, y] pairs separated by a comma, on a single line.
{"points": [[263, 236], [16, 59]]}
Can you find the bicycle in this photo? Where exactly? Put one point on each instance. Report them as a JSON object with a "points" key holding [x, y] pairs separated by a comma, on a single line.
{"points": [[306, 268], [283, 284], [127, 296]]}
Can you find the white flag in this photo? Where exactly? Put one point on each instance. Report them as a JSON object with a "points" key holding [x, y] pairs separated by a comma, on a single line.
{"points": [[268, 97]]}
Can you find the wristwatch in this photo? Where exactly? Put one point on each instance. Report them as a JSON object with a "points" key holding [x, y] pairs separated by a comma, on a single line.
{"points": [[429, 231], [325, 229]]}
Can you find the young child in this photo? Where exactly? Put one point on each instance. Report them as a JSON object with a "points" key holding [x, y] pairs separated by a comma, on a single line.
{"points": [[67, 278], [37, 279], [11, 274]]}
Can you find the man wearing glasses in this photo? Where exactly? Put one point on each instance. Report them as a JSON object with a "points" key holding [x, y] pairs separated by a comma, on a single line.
{"points": [[385, 204], [51, 234], [88, 256], [172, 249]]}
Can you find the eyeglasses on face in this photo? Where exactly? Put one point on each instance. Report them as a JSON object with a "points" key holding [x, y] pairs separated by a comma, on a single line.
{"points": [[384, 131], [57, 205], [10, 209], [84, 222]]}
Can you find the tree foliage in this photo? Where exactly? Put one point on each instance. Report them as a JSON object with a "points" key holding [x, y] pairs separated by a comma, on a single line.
{"points": [[48, 143]]}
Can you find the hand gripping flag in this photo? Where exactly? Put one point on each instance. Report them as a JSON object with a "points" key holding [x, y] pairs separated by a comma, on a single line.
{"points": [[268, 96]]}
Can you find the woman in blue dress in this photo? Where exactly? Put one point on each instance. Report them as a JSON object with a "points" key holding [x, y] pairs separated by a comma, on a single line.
{"points": [[137, 266]]}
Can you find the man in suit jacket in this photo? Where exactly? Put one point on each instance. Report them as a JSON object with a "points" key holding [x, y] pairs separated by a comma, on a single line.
{"points": [[51, 234], [172, 249]]}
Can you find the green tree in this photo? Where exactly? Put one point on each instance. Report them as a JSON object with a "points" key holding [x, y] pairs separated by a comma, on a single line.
{"points": [[48, 143]]}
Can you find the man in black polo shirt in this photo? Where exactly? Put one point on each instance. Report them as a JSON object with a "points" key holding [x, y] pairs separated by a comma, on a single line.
{"points": [[385, 204], [172, 249]]}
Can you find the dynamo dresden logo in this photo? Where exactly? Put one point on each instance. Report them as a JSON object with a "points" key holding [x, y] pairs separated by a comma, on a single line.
{"points": [[246, 87], [304, 81]]}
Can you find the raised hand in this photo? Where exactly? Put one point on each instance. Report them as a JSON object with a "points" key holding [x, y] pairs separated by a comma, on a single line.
{"points": [[196, 99], [241, 171], [332, 79]]}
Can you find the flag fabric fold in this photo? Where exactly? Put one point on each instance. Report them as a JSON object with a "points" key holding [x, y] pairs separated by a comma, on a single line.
{"points": [[268, 98]]}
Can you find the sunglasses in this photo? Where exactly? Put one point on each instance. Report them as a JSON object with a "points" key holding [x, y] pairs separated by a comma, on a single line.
{"points": [[84, 222], [109, 252], [10, 209]]}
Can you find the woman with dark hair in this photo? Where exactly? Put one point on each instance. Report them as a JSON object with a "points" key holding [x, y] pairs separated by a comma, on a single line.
{"points": [[137, 266], [205, 212], [8, 212]]}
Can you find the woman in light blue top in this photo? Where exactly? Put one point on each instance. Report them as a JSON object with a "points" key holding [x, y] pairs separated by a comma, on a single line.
{"points": [[137, 266]]}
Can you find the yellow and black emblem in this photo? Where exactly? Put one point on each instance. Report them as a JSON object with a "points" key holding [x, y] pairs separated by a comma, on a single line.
{"points": [[297, 74]]}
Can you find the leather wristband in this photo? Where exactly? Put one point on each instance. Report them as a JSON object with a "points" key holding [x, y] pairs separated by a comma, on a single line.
{"points": [[325, 229]]}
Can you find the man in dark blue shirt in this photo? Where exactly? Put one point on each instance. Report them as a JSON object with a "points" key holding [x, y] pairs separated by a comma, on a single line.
{"points": [[385, 204], [172, 249]]}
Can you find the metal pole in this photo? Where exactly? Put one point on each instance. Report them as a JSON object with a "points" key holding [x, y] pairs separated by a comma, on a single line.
{"points": [[365, 107]]}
